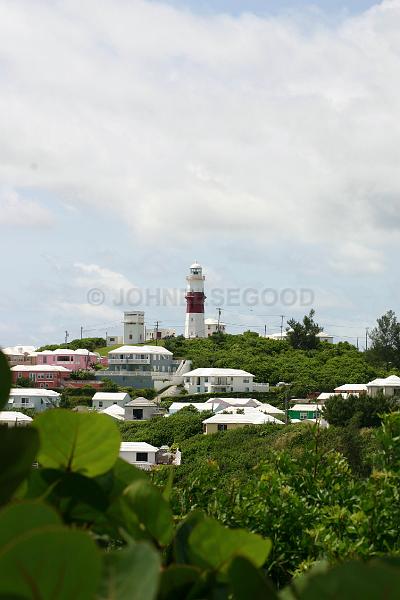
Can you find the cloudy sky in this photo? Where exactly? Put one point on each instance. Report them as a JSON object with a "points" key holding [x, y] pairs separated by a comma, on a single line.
{"points": [[260, 138]]}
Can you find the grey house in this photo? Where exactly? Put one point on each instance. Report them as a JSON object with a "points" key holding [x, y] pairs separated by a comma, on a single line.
{"points": [[140, 366], [140, 409]]}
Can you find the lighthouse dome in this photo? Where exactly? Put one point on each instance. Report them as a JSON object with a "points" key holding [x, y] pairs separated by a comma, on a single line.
{"points": [[195, 265]]}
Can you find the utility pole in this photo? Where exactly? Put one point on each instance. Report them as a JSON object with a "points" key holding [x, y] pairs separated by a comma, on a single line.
{"points": [[156, 333], [265, 330], [366, 338], [66, 336], [282, 317], [219, 319], [81, 331], [357, 345]]}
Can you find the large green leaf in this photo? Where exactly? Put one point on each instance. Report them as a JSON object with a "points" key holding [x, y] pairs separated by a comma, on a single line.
{"points": [[50, 563], [152, 511], [86, 443], [5, 380], [18, 450], [249, 582], [19, 518], [181, 540], [212, 545], [177, 582], [377, 580], [131, 573]]}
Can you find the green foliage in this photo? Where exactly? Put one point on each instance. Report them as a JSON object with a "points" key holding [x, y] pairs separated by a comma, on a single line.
{"points": [[320, 369], [23, 382], [363, 410], [303, 336], [82, 375], [160, 431], [85, 343], [87, 525], [385, 338], [83, 443]]}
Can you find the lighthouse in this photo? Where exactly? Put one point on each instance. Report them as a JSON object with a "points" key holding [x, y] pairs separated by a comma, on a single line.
{"points": [[194, 324]]}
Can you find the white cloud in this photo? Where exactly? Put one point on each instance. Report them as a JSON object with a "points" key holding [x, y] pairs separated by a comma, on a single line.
{"points": [[95, 276], [189, 126], [353, 258], [19, 212]]}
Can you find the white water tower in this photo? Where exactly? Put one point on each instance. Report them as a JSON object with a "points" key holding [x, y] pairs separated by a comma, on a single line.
{"points": [[134, 327]]}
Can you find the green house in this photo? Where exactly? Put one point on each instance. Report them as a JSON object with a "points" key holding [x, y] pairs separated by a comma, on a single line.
{"points": [[305, 411]]}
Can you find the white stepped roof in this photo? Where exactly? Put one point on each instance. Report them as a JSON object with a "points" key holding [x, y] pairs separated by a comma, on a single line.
{"points": [[33, 392], [141, 350], [391, 381], [200, 406], [110, 396], [265, 407], [137, 447], [306, 407], [115, 411], [22, 350], [253, 418], [349, 387], [68, 351], [12, 416], [211, 372], [236, 401], [40, 368]]}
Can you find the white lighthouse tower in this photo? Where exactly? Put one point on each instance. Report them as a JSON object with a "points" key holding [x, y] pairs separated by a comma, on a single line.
{"points": [[194, 324]]}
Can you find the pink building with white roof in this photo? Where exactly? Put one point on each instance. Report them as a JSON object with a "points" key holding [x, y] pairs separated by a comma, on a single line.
{"points": [[73, 360], [41, 376]]}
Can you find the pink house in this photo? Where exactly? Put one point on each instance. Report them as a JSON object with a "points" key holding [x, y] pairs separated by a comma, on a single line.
{"points": [[73, 360], [41, 376]]}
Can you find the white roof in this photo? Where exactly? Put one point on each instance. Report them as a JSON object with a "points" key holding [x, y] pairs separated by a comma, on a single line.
{"points": [[33, 392], [235, 401], [327, 395], [11, 415], [67, 352], [115, 411], [200, 406], [349, 387], [195, 265], [210, 372], [306, 407], [391, 381], [141, 350], [40, 368], [253, 418], [211, 321], [265, 407], [110, 396], [19, 350], [137, 447]]}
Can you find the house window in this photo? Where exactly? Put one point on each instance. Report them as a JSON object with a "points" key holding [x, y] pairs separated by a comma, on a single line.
{"points": [[100, 403], [142, 457], [303, 415], [245, 381], [206, 379], [137, 413], [222, 427], [45, 360], [130, 336]]}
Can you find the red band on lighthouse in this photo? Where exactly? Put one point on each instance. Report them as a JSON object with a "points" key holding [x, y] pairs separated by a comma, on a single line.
{"points": [[195, 302]]}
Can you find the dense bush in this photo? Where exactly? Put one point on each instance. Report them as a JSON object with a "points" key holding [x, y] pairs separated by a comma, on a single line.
{"points": [[363, 410], [86, 343]]}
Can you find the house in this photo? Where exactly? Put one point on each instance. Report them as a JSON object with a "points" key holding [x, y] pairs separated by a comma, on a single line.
{"points": [[113, 340], [305, 411], [103, 400], [224, 421], [199, 406], [37, 399], [140, 454], [114, 411], [388, 386], [141, 366], [41, 376], [322, 336], [11, 418], [159, 334], [210, 380], [140, 409], [214, 326], [352, 388], [20, 355], [73, 360]]}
